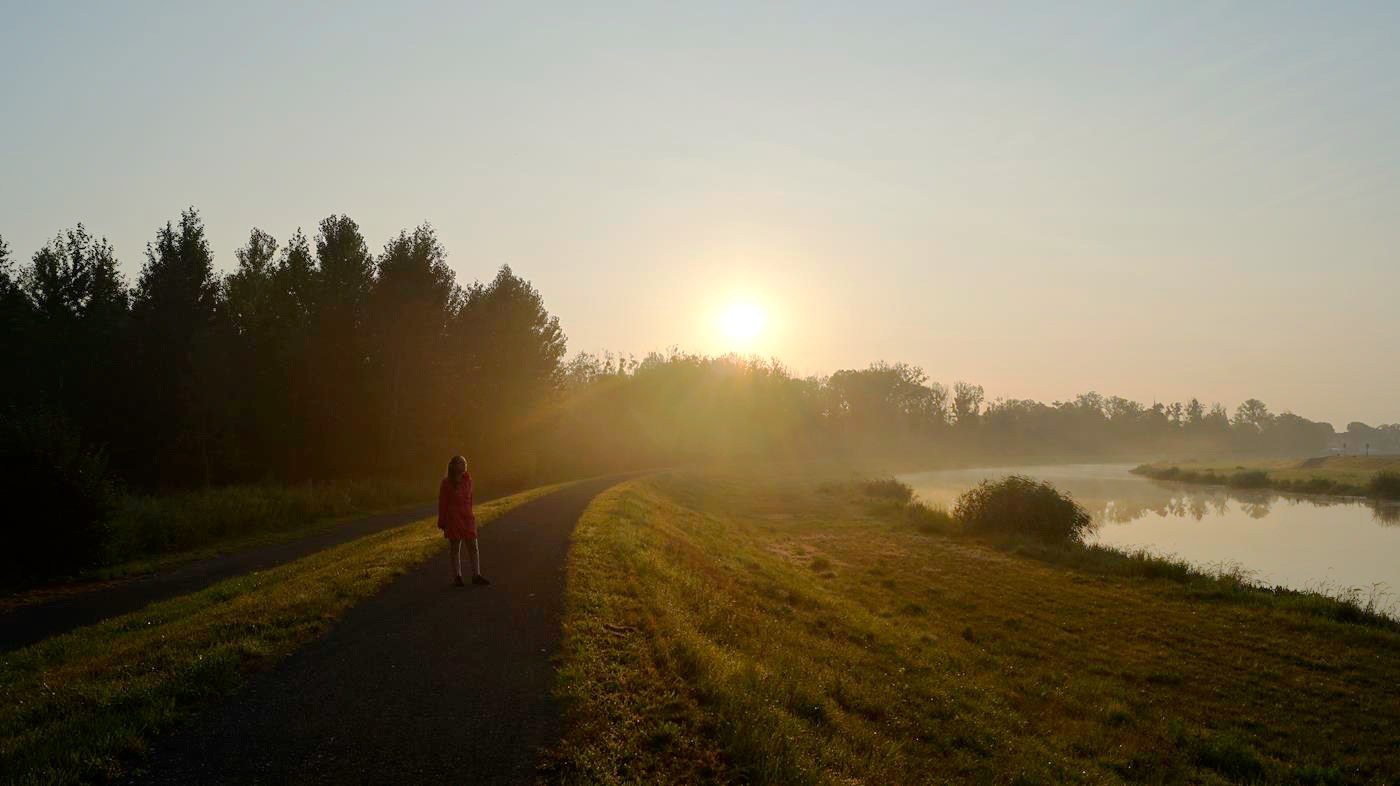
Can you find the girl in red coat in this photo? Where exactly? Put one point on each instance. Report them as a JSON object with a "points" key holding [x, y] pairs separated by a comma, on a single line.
{"points": [[457, 521]]}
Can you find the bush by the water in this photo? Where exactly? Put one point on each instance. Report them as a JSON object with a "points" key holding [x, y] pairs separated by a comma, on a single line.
{"points": [[1250, 479], [888, 488], [894, 499], [60, 496], [1385, 484], [1018, 505]]}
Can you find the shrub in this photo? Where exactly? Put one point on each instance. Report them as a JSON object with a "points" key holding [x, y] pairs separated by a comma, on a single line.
{"points": [[1018, 505], [1250, 479], [1230, 756], [888, 488], [1385, 484], [60, 496], [928, 519]]}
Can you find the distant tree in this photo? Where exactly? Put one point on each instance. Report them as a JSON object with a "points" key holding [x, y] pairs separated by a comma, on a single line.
{"points": [[1195, 413], [1252, 415], [1291, 434], [1176, 414], [938, 404], [1091, 403], [967, 403], [1216, 420], [175, 313], [886, 397]]}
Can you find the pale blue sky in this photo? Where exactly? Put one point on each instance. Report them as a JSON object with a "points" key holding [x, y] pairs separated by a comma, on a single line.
{"points": [[1157, 200]]}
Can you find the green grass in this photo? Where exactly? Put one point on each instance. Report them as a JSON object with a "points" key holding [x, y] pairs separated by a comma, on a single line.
{"points": [[773, 630], [169, 523], [82, 707], [1374, 476], [156, 532]]}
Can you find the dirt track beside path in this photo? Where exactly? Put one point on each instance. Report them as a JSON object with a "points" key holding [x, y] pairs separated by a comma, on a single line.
{"points": [[424, 683]]}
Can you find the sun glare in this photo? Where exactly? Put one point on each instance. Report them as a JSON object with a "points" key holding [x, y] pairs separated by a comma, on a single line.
{"points": [[741, 321]]}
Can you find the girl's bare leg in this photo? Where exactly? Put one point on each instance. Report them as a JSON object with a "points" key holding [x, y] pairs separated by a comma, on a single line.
{"points": [[474, 554], [454, 555]]}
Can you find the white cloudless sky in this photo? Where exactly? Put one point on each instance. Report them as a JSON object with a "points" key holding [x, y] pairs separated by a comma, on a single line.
{"points": [[1155, 200]]}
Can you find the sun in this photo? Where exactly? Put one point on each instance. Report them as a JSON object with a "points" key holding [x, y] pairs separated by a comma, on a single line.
{"points": [[742, 321]]}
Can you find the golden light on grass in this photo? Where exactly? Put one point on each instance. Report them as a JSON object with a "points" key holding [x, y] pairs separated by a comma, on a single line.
{"points": [[742, 321]]}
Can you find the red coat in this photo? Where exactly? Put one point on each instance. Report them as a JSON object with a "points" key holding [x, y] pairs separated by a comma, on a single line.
{"points": [[455, 516]]}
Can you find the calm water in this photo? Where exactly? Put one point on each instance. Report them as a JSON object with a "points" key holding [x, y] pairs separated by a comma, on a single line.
{"points": [[1297, 541]]}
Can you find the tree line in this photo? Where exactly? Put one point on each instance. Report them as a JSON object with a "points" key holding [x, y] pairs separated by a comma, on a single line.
{"points": [[677, 404], [318, 358], [315, 358]]}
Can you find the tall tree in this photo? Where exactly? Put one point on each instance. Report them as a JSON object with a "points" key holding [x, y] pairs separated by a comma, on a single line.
{"points": [[511, 361], [1252, 415], [967, 403], [291, 420], [15, 318], [175, 313], [414, 298], [79, 331], [252, 305], [338, 400], [250, 291]]}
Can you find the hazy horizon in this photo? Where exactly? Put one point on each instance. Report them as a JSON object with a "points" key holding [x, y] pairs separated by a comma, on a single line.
{"points": [[1152, 202]]}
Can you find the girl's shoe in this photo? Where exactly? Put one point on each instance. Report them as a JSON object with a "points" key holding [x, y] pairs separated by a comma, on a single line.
{"points": [[480, 580], [457, 582]]}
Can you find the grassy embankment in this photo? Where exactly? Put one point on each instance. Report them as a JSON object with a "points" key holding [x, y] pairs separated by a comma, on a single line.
{"points": [[1370, 476], [724, 628], [81, 707]]}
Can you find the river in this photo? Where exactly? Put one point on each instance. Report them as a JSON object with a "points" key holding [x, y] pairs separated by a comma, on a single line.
{"points": [[1331, 544]]}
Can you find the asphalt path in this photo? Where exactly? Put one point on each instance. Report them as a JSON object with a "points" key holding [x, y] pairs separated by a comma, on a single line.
{"points": [[35, 622], [424, 683]]}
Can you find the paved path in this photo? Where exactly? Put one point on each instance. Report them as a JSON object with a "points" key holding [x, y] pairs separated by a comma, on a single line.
{"points": [[424, 683], [26, 625]]}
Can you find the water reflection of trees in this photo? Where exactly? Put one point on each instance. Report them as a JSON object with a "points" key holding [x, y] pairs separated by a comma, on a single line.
{"points": [[1179, 500]]}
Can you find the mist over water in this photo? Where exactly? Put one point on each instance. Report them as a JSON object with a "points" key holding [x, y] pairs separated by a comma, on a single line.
{"points": [[1301, 542]]}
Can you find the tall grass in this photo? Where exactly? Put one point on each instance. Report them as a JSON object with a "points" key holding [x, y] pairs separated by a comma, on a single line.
{"points": [[893, 498], [1385, 484], [148, 526]]}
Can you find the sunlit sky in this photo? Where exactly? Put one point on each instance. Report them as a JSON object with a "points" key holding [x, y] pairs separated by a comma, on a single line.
{"points": [[1153, 200]]}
